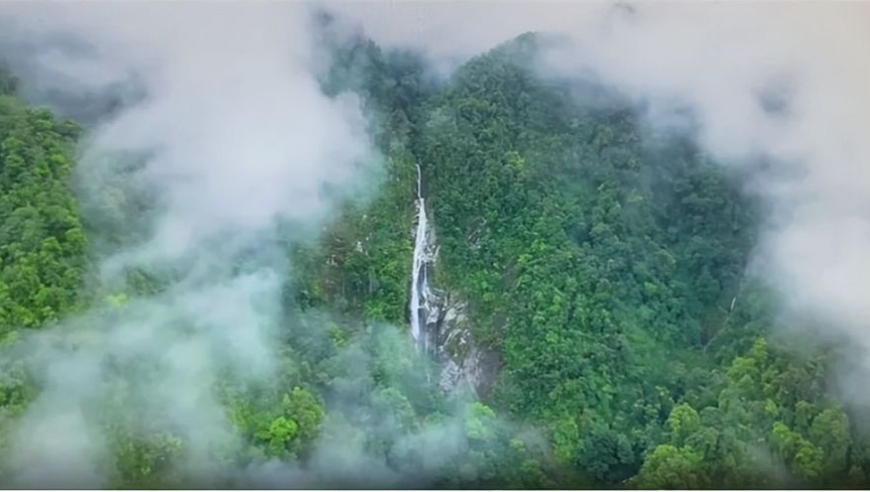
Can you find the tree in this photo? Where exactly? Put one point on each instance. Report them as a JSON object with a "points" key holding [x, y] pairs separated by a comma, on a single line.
{"points": [[670, 467]]}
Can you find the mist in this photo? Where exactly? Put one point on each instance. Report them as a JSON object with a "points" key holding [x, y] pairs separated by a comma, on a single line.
{"points": [[235, 145], [208, 150], [783, 83], [727, 62], [232, 139]]}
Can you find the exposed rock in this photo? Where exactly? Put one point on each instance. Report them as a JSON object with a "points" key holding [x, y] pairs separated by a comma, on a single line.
{"points": [[464, 364]]}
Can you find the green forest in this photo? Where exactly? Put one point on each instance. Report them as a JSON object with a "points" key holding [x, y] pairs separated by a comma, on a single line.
{"points": [[605, 273]]}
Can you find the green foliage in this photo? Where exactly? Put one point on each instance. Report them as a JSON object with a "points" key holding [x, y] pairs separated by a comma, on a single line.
{"points": [[278, 435], [669, 467], [563, 232], [605, 270], [42, 243], [145, 461], [362, 264], [304, 409]]}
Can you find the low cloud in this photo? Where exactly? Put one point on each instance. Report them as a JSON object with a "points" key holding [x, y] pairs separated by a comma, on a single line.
{"points": [[231, 138], [783, 83]]}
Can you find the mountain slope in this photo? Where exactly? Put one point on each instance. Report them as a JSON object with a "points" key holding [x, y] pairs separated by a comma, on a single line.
{"points": [[607, 270], [602, 269]]}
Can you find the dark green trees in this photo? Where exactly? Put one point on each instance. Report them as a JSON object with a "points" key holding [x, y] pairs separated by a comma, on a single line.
{"points": [[607, 271], [42, 243]]}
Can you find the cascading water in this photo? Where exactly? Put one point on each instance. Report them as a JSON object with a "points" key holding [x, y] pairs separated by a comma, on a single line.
{"points": [[438, 324], [419, 284]]}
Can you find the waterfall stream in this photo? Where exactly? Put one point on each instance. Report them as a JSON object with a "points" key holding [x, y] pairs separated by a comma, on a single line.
{"points": [[438, 323], [419, 284]]}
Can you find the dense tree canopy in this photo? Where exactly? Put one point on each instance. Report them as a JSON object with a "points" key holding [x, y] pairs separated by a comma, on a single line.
{"points": [[606, 270]]}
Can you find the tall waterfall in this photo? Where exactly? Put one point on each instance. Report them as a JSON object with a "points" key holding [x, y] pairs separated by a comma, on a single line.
{"points": [[419, 285], [438, 323]]}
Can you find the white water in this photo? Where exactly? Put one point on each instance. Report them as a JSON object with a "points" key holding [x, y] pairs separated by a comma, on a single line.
{"points": [[429, 311], [419, 284]]}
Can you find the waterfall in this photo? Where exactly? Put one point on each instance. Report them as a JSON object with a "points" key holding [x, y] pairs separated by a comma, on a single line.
{"points": [[439, 326], [419, 284]]}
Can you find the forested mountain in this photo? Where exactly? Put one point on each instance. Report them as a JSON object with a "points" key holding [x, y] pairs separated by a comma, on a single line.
{"points": [[603, 273]]}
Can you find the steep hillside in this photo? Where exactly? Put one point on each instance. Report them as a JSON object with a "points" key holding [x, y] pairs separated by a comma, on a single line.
{"points": [[611, 334], [604, 271]]}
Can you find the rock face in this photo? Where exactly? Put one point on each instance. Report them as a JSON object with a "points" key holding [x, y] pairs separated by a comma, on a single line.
{"points": [[453, 344]]}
